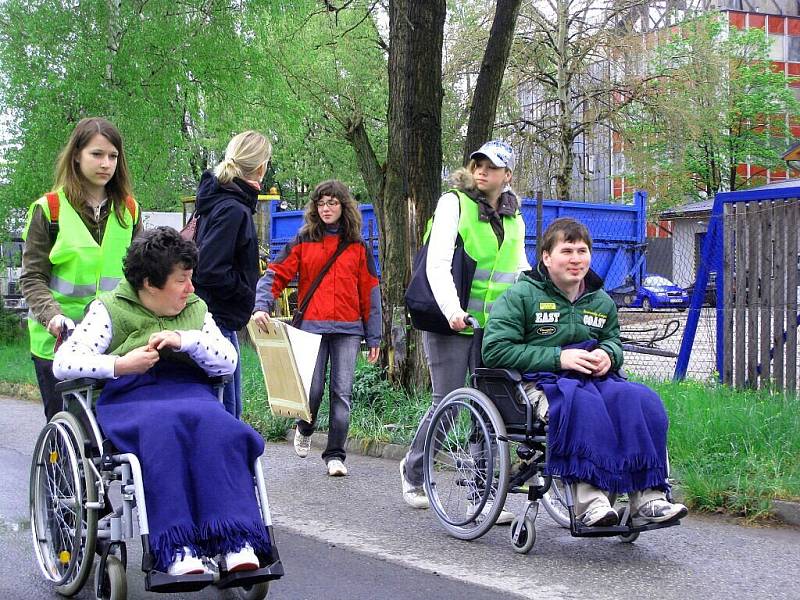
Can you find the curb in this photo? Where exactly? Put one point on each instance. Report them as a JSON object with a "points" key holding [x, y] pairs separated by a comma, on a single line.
{"points": [[782, 510]]}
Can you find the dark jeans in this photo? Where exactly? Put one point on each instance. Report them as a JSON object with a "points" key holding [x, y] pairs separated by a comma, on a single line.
{"points": [[341, 350], [232, 392], [51, 399]]}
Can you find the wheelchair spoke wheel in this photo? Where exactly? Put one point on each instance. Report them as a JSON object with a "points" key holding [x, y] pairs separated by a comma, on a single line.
{"points": [[114, 584], [466, 463], [61, 484], [555, 502]]}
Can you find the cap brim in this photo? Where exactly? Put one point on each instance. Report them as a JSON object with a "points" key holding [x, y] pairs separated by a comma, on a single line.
{"points": [[492, 159]]}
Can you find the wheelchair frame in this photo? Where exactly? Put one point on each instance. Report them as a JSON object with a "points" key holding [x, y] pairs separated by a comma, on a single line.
{"points": [[498, 412], [94, 467]]}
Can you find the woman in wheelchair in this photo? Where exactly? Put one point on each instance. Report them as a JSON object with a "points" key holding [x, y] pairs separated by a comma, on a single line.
{"points": [[606, 435], [156, 344]]}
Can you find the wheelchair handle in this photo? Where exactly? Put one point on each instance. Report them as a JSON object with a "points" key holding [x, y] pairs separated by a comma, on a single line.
{"points": [[472, 322]]}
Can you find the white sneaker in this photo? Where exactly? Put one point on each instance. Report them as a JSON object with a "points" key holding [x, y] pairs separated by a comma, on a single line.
{"points": [[659, 511], [600, 516], [336, 468], [302, 444], [243, 560], [504, 518], [186, 564], [413, 495]]}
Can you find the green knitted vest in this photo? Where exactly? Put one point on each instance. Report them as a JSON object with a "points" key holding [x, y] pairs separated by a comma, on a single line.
{"points": [[133, 324]]}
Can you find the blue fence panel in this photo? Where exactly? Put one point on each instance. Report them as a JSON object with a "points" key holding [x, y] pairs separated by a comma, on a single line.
{"points": [[618, 233]]}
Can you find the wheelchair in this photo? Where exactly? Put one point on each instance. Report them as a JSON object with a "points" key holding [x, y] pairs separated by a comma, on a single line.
{"points": [[73, 518], [468, 468]]}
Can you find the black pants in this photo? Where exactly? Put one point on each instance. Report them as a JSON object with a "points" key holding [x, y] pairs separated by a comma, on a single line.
{"points": [[51, 399]]}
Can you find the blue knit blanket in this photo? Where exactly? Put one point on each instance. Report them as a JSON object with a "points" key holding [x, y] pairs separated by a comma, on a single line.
{"points": [[197, 461], [606, 431]]}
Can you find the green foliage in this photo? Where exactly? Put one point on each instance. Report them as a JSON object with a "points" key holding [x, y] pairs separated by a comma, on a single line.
{"points": [[715, 102], [11, 327], [179, 80], [15, 356]]}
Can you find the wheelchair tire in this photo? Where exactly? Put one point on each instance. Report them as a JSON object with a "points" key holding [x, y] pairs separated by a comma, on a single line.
{"points": [[466, 447], [62, 482], [629, 538], [523, 535], [115, 583], [555, 503], [258, 591]]}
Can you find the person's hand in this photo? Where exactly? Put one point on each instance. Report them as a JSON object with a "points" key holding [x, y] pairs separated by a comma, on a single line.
{"points": [[165, 339], [262, 320], [137, 361], [57, 324], [578, 360], [602, 362], [373, 355], [458, 322]]}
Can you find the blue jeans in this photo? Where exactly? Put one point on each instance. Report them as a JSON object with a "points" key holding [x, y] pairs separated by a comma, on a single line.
{"points": [[341, 350], [232, 392]]}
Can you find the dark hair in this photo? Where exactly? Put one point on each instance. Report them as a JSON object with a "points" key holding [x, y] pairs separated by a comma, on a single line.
{"points": [[155, 254], [564, 229], [349, 222], [68, 174]]}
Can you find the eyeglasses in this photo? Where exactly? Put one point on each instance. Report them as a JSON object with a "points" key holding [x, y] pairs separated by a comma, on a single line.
{"points": [[333, 203]]}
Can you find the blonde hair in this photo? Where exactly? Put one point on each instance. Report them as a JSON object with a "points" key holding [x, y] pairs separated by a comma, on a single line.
{"points": [[68, 174], [245, 153]]}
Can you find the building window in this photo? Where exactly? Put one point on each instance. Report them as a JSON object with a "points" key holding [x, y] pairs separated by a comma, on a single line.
{"points": [[793, 49], [776, 47]]}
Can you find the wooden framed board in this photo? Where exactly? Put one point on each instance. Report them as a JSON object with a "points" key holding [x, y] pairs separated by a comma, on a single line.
{"points": [[288, 357]]}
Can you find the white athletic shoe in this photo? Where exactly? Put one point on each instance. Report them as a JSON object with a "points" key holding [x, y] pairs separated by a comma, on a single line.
{"points": [[336, 468], [243, 560], [302, 444], [187, 564], [413, 495], [504, 518]]}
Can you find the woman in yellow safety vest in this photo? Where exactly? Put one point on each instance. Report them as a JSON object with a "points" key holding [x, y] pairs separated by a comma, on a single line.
{"points": [[75, 239], [484, 212]]}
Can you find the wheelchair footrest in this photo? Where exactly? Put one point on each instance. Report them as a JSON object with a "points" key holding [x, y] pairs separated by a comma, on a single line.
{"points": [[581, 530], [240, 578], [162, 583]]}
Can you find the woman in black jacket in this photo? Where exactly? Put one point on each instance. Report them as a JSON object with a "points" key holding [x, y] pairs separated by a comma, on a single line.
{"points": [[227, 270]]}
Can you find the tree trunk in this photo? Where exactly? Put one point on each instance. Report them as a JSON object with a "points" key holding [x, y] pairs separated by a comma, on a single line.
{"points": [[413, 169], [490, 78]]}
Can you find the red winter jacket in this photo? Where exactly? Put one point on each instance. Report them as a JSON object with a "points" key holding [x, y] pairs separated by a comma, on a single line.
{"points": [[348, 297]]}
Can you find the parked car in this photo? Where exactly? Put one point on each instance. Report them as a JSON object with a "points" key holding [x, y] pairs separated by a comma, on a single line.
{"points": [[710, 296], [656, 291]]}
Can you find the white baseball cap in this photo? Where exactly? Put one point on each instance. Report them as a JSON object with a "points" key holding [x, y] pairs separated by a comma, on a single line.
{"points": [[498, 152]]}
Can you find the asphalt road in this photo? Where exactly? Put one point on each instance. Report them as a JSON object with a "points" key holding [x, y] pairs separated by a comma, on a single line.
{"points": [[354, 538]]}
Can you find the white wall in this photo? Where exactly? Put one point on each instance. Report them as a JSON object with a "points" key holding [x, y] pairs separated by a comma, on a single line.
{"points": [[683, 250]]}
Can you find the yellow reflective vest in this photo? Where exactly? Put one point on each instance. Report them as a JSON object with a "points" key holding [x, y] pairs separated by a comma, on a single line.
{"points": [[80, 266]]}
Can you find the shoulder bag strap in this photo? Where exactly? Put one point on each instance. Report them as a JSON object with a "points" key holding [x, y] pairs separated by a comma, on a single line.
{"points": [[318, 279]]}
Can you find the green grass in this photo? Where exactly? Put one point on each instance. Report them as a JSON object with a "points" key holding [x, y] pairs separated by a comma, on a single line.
{"points": [[735, 450], [15, 356]]}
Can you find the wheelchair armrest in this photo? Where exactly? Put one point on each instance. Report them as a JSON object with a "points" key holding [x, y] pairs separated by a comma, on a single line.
{"points": [[76, 384], [509, 374]]}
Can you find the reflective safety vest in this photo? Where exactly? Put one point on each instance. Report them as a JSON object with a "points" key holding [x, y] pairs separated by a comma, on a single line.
{"points": [[80, 266], [496, 265]]}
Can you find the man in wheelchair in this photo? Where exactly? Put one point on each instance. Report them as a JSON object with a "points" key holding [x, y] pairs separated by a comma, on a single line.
{"points": [[156, 344], [606, 436]]}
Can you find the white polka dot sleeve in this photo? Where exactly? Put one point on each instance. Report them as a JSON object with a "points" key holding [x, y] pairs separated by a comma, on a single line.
{"points": [[83, 354], [209, 348]]}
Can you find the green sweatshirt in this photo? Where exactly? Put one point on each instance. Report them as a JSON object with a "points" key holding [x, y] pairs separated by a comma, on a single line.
{"points": [[530, 323]]}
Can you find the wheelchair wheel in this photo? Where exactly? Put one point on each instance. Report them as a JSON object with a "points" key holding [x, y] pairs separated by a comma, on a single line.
{"points": [[258, 591], [61, 484], [466, 463], [555, 502], [115, 584], [523, 535], [629, 538]]}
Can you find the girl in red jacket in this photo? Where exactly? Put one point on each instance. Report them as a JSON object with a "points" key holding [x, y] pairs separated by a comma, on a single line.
{"points": [[344, 308]]}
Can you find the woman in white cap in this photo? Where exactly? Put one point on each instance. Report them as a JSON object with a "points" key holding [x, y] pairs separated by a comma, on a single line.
{"points": [[483, 211]]}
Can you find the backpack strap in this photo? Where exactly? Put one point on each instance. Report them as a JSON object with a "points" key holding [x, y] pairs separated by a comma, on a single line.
{"points": [[53, 205]]}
